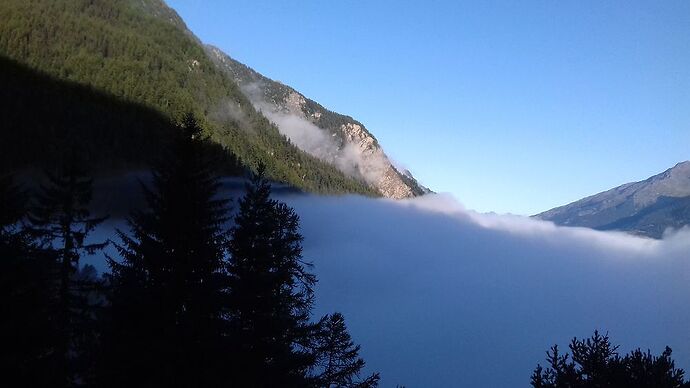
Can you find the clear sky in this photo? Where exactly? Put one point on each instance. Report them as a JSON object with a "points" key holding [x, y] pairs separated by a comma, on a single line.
{"points": [[512, 106]]}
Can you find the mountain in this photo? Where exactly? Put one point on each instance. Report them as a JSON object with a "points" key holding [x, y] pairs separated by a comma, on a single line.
{"points": [[40, 116], [136, 56], [645, 208], [333, 137]]}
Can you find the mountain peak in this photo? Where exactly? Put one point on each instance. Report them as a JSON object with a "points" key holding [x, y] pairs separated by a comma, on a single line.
{"points": [[683, 166], [646, 207]]}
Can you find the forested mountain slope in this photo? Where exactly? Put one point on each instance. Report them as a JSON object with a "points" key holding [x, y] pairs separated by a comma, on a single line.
{"points": [[330, 136], [137, 52]]}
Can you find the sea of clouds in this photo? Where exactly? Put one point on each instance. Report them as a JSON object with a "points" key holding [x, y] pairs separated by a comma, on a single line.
{"points": [[441, 296]]}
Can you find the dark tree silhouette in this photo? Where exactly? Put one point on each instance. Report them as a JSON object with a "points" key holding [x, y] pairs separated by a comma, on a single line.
{"points": [[26, 332], [12, 203], [338, 363], [595, 362], [61, 222], [168, 291], [271, 292]]}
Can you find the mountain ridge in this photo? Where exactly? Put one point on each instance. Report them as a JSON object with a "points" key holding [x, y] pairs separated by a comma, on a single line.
{"points": [[141, 52], [349, 144], [648, 207]]}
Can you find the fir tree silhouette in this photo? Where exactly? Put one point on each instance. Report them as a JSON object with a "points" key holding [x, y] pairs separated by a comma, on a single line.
{"points": [[169, 288], [60, 223], [26, 331], [595, 362], [271, 292], [338, 363]]}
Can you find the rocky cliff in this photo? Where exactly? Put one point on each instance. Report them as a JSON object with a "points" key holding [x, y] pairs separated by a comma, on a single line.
{"points": [[332, 137]]}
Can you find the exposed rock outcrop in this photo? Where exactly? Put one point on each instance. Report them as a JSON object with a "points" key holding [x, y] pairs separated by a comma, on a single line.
{"points": [[335, 138]]}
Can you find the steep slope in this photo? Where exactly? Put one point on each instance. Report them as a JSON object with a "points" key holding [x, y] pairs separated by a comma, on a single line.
{"points": [[647, 208], [36, 108], [329, 136], [140, 52]]}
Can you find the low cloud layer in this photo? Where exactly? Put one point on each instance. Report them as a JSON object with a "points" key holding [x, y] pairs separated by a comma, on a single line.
{"points": [[441, 296]]}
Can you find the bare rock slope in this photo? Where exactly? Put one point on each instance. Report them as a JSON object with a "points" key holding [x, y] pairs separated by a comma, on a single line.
{"points": [[332, 137]]}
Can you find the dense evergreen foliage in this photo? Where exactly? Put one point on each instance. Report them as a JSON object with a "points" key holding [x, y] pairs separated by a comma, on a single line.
{"points": [[190, 301], [193, 303], [277, 92], [139, 52], [271, 291], [12, 205], [60, 224], [41, 116], [168, 289], [595, 362], [48, 323], [26, 330], [338, 363]]}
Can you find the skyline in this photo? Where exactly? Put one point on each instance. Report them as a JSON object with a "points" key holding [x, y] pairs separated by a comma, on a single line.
{"points": [[514, 109]]}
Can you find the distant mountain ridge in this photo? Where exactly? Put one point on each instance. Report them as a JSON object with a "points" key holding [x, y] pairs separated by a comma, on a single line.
{"points": [[647, 208]]}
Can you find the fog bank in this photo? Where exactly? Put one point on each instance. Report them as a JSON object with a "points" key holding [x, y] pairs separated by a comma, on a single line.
{"points": [[441, 296]]}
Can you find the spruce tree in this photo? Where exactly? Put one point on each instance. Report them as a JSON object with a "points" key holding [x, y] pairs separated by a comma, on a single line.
{"points": [[271, 292], [169, 286], [61, 222], [595, 362], [26, 332], [12, 203], [338, 363]]}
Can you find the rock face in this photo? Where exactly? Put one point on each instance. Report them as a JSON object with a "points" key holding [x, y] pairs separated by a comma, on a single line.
{"points": [[646, 208], [332, 137]]}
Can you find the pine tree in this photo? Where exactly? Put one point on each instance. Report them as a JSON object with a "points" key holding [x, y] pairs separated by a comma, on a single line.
{"points": [[12, 203], [25, 296], [647, 370], [338, 363], [595, 362], [168, 289], [61, 222], [271, 292]]}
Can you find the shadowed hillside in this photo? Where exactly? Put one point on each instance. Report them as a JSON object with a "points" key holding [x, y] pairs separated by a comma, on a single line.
{"points": [[141, 52], [43, 117]]}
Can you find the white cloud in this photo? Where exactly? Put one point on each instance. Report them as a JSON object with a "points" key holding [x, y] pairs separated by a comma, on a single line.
{"points": [[441, 296]]}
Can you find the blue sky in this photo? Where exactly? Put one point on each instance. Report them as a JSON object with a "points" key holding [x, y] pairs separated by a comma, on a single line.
{"points": [[510, 106]]}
